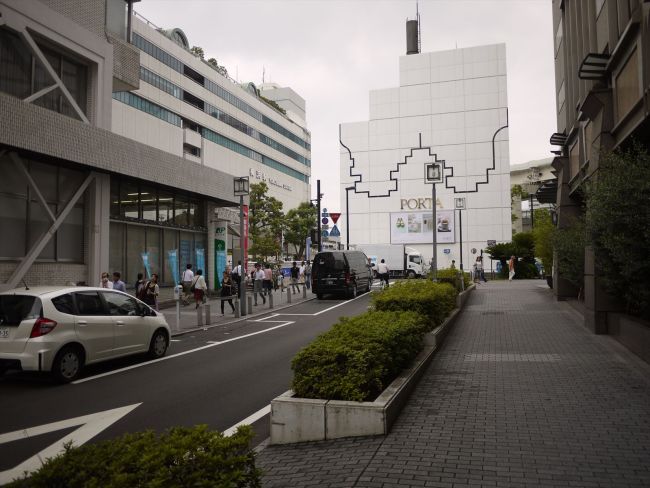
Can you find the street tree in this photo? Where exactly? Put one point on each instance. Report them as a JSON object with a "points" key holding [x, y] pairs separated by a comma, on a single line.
{"points": [[543, 234], [265, 221], [300, 222]]}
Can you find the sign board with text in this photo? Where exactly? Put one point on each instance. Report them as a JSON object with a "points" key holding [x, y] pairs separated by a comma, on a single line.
{"points": [[417, 227]]}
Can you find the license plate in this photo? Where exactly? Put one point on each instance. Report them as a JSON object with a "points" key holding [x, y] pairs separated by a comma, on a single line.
{"points": [[4, 333]]}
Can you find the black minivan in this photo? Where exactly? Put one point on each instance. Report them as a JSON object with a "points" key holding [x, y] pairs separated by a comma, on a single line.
{"points": [[345, 272]]}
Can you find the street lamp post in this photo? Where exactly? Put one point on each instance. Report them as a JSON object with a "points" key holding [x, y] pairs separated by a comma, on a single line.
{"points": [[320, 236], [241, 187], [347, 216], [433, 175], [460, 206]]}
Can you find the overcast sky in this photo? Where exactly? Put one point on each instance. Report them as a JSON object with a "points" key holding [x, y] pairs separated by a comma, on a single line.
{"points": [[332, 52]]}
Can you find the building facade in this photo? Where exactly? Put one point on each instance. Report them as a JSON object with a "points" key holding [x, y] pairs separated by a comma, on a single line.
{"points": [[118, 147], [450, 106], [602, 70]]}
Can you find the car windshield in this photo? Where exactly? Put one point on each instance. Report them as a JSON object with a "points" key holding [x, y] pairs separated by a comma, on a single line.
{"points": [[16, 308]]}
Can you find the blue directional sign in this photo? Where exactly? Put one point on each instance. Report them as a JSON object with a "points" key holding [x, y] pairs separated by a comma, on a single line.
{"points": [[325, 220], [335, 232], [325, 233]]}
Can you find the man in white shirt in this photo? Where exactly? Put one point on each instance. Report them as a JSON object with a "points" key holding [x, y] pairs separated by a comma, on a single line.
{"points": [[383, 271], [236, 277], [257, 283], [186, 281]]}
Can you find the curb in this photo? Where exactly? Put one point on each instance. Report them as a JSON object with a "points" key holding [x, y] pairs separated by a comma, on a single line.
{"points": [[307, 419]]}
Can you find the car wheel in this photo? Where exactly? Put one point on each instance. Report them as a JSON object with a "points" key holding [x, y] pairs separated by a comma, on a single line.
{"points": [[353, 292], [159, 344], [410, 275], [319, 296], [67, 364]]}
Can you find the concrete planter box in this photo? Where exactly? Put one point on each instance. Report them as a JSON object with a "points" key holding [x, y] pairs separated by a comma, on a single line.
{"points": [[305, 419]]}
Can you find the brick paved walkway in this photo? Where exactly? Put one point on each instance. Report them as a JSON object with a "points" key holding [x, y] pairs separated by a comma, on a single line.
{"points": [[521, 394]]}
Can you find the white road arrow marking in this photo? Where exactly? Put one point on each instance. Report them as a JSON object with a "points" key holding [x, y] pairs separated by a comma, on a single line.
{"points": [[89, 427]]}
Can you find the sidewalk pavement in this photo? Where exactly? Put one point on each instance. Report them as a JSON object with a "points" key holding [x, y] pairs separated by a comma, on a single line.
{"points": [[520, 394], [190, 320]]}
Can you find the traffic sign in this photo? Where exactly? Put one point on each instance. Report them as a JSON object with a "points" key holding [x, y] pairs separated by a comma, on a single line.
{"points": [[325, 220], [335, 216], [325, 233], [335, 232], [447, 251], [491, 243]]}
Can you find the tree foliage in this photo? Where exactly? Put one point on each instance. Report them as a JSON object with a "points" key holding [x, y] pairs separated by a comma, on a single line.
{"points": [[299, 223], [198, 51], [569, 243], [265, 222], [618, 225], [543, 233]]}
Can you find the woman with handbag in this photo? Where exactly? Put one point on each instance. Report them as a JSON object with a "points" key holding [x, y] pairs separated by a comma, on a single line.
{"points": [[199, 288], [226, 290]]}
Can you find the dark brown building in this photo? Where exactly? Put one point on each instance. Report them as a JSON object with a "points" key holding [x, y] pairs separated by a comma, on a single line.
{"points": [[602, 76]]}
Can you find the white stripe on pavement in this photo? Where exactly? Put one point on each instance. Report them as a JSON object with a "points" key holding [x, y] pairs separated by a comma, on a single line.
{"points": [[249, 420]]}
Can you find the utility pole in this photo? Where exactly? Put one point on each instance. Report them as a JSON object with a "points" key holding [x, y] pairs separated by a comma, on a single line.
{"points": [[320, 236]]}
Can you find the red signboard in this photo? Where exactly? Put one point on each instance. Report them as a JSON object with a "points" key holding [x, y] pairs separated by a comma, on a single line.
{"points": [[335, 216]]}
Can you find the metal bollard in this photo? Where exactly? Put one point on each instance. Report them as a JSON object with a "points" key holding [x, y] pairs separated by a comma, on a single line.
{"points": [[288, 294], [208, 319], [270, 299], [304, 290], [237, 306], [249, 300], [199, 317]]}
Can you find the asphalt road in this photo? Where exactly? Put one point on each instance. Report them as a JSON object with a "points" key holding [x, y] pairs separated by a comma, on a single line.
{"points": [[219, 377]]}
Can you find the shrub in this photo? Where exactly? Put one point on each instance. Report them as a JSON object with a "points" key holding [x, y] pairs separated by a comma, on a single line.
{"points": [[433, 300], [525, 270], [452, 276], [182, 456], [358, 357]]}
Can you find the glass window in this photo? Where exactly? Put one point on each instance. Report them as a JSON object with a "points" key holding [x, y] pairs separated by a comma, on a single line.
{"points": [[165, 207], [13, 222], [64, 304], [13, 180], [45, 177], [628, 90], [170, 243], [186, 252], [181, 206], [39, 223], [148, 203], [89, 303], [70, 236], [75, 79], [135, 246], [16, 308], [115, 198], [129, 200], [559, 34], [42, 79], [119, 304], [116, 249], [69, 182], [15, 65], [153, 248]]}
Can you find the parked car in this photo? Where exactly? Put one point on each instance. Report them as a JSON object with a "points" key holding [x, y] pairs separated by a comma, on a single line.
{"points": [[345, 272], [62, 329]]}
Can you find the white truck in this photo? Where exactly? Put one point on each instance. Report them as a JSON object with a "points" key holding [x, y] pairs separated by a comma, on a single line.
{"points": [[402, 261]]}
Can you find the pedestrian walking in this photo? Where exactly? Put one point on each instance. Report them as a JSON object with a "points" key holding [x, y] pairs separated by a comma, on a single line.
{"points": [[308, 274], [186, 282], [139, 286], [295, 274], [199, 288], [511, 268], [267, 284], [236, 276], [476, 276], [301, 273], [481, 269], [453, 264], [105, 282], [152, 290], [226, 291], [383, 272], [118, 284], [258, 280]]}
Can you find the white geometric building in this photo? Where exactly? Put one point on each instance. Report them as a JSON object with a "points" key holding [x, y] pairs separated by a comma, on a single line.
{"points": [[450, 105]]}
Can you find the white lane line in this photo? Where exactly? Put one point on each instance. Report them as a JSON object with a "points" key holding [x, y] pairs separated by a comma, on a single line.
{"points": [[249, 420], [190, 351], [325, 310], [89, 427]]}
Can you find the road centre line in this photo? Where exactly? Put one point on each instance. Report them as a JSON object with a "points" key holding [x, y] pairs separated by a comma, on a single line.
{"points": [[197, 349]]}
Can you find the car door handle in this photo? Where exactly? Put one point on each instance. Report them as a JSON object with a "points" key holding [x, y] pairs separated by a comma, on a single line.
{"points": [[119, 322], [82, 322]]}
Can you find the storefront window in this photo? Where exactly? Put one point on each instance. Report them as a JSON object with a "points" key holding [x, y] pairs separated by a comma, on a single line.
{"points": [[136, 240], [129, 196], [181, 205], [148, 203], [165, 207], [153, 248], [186, 249], [170, 243]]}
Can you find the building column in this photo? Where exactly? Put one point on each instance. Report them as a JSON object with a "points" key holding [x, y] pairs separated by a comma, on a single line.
{"points": [[99, 206]]}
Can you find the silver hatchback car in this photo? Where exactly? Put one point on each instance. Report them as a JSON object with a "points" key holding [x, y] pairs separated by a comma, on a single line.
{"points": [[62, 329]]}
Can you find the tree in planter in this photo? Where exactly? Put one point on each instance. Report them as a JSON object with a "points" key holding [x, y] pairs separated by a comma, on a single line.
{"points": [[618, 225], [522, 246], [299, 223], [543, 237], [265, 221], [569, 243], [198, 51]]}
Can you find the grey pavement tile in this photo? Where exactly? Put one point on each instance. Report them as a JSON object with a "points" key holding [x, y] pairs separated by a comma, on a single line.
{"points": [[521, 394]]}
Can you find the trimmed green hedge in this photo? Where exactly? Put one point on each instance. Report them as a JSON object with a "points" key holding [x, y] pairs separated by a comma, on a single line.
{"points": [[433, 300], [358, 357], [452, 276], [180, 457]]}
